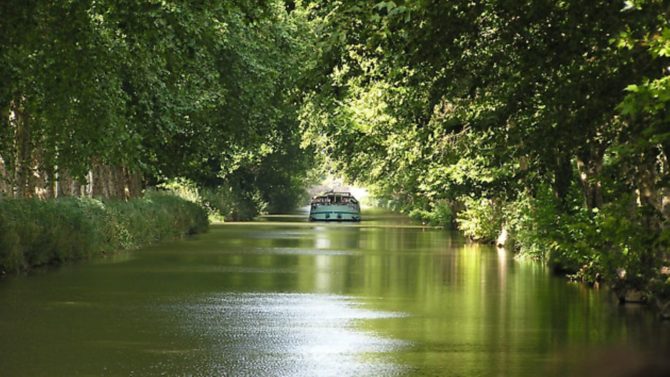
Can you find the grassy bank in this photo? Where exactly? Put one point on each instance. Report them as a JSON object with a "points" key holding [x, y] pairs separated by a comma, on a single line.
{"points": [[37, 233]]}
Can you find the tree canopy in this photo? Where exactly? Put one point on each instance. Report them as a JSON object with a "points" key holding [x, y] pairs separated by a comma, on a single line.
{"points": [[110, 93], [544, 120]]}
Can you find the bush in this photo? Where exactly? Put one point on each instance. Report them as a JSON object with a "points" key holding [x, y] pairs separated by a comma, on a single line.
{"points": [[481, 220], [611, 243], [230, 203], [223, 203], [36, 233], [632, 252], [541, 229], [440, 214], [535, 223], [11, 255]]}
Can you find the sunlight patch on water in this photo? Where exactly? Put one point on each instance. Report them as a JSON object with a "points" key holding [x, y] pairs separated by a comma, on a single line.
{"points": [[299, 251], [365, 223], [260, 334]]}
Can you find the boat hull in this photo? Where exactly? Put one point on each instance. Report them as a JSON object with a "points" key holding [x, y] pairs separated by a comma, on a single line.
{"points": [[335, 213]]}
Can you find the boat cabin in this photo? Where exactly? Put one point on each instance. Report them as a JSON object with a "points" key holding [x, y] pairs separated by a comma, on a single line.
{"points": [[334, 206], [331, 198]]}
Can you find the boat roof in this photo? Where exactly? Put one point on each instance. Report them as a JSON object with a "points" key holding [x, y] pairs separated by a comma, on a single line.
{"points": [[335, 193], [331, 194]]}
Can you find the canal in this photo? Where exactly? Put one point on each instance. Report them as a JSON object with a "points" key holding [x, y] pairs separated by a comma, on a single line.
{"points": [[284, 297]]}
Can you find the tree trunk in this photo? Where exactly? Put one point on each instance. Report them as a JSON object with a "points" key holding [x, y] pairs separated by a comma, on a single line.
{"points": [[134, 183], [117, 182], [64, 184], [51, 182], [649, 194], [78, 189], [108, 181], [23, 147], [40, 184], [5, 187], [97, 180], [589, 166], [40, 174], [562, 177]]}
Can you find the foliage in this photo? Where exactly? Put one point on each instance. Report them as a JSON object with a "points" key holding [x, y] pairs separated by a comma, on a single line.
{"points": [[481, 219], [230, 203], [532, 222], [441, 214], [37, 233], [609, 243], [206, 92], [267, 192], [549, 120]]}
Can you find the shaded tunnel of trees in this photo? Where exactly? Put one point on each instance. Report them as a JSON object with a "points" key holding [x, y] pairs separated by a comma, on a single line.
{"points": [[544, 125]]}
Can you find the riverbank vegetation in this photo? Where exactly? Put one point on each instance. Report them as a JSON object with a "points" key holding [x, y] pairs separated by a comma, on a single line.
{"points": [[36, 233], [103, 101], [546, 123]]}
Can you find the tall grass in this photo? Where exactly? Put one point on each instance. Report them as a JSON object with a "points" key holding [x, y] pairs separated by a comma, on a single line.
{"points": [[36, 233]]}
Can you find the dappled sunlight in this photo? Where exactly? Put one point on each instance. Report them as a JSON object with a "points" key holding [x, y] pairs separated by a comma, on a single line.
{"points": [[286, 334]]}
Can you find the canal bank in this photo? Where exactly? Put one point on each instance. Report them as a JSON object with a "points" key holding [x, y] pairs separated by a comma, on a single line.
{"points": [[38, 233], [288, 297]]}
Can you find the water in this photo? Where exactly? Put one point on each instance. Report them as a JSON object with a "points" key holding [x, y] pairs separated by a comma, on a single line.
{"points": [[282, 297]]}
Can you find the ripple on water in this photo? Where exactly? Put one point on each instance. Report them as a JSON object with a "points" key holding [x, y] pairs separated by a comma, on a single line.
{"points": [[274, 334], [303, 251]]}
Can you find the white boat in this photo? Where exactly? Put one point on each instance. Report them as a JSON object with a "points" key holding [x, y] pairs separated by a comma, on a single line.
{"points": [[334, 206]]}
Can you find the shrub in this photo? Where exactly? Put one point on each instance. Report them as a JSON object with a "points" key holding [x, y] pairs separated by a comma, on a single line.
{"points": [[37, 233], [11, 256], [542, 229], [481, 220], [611, 243], [230, 203], [223, 203], [440, 214], [631, 251]]}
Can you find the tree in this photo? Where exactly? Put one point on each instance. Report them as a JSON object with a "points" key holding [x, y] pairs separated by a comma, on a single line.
{"points": [[100, 96], [501, 100]]}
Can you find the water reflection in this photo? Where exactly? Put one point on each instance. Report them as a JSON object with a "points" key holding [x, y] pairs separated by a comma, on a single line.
{"points": [[287, 335], [321, 241], [280, 298]]}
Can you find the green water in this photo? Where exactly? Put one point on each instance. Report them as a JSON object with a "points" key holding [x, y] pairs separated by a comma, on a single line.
{"points": [[282, 297]]}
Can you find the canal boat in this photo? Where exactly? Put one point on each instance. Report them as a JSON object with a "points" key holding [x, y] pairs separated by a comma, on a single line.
{"points": [[334, 206]]}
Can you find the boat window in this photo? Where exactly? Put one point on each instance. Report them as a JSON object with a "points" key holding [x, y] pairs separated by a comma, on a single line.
{"points": [[334, 198], [320, 200]]}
